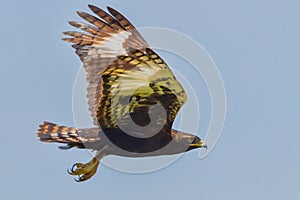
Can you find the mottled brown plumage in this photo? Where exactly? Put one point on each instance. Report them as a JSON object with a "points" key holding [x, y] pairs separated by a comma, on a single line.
{"points": [[133, 96]]}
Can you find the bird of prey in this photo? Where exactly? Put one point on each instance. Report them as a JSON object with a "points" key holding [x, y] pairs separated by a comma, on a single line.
{"points": [[133, 96]]}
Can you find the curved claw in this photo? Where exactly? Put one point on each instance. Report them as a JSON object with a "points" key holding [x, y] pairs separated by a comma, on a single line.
{"points": [[69, 171], [84, 171], [77, 169], [84, 177], [81, 178], [72, 170], [74, 167], [77, 179]]}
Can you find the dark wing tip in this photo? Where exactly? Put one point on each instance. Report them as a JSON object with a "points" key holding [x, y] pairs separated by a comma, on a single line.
{"points": [[74, 23], [66, 32], [82, 14], [112, 10], [66, 39], [93, 7]]}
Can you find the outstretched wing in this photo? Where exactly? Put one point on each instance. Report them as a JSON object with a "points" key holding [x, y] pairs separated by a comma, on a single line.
{"points": [[107, 36], [132, 86], [126, 78]]}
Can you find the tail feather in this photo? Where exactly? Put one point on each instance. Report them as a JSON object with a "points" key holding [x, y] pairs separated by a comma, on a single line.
{"points": [[73, 137], [49, 132]]}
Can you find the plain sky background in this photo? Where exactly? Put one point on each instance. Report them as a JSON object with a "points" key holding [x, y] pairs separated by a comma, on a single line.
{"points": [[256, 47]]}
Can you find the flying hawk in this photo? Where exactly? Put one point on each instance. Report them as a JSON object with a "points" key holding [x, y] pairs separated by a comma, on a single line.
{"points": [[133, 96]]}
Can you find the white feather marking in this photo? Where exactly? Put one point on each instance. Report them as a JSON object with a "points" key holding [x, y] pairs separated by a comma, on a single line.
{"points": [[54, 135], [113, 45]]}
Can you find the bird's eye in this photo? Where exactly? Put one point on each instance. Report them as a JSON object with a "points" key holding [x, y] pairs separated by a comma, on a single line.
{"points": [[190, 140]]}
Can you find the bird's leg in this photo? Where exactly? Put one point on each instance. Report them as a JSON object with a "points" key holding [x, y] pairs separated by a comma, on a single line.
{"points": [[86, 171]]}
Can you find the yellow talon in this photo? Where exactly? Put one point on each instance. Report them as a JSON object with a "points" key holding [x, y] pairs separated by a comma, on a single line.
{"points": [[84, 171]]}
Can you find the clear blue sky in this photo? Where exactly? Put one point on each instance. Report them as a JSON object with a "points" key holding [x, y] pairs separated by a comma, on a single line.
{"points": [[256, 47]]}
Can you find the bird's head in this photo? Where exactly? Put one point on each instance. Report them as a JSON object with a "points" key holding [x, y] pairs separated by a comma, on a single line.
{"points": [[195, 142], [189, 141]]}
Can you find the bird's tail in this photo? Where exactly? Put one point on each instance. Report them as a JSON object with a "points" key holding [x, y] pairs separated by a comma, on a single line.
{"points": [[49, 132], [73, 137]]}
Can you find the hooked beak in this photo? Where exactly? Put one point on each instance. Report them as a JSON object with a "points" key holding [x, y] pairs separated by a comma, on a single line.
{"points": [[201, 144]]}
